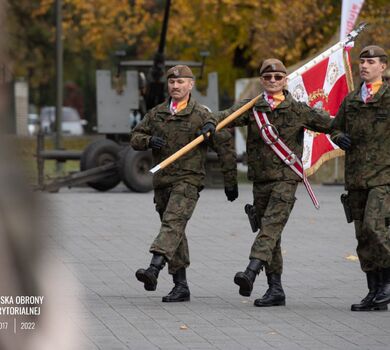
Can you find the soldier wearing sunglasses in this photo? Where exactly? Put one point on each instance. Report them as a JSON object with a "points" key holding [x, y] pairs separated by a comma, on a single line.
{"points": [[274, 182]]}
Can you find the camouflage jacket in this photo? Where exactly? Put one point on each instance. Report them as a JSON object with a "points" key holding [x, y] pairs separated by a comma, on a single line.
{"points": [[367, 162], [178, 130], [290, 118]]}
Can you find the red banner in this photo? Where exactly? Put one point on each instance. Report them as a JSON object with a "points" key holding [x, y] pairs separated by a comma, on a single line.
{"points": [[323, 86]]}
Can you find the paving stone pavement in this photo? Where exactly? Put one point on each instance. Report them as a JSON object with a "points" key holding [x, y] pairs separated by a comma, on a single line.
{"points": [[103, 238]]}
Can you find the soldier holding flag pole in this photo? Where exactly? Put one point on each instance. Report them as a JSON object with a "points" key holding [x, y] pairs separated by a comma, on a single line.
{"points": [[274, 146], [165, 129]]}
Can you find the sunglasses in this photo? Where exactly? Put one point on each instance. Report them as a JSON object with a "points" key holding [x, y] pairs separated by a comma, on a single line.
{"points": [[268, 77]]}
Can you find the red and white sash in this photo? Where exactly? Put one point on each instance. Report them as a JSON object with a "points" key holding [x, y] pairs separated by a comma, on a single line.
{"points": [[270, 136]]}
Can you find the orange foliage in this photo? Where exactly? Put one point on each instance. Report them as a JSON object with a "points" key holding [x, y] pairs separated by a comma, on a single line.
{"points": [[237, 33]]}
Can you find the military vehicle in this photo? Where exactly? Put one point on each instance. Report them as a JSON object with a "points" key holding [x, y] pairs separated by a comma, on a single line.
{"points": [[122, 101]]}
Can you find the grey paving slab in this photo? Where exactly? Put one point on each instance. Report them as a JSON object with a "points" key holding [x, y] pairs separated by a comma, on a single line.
{"points": [[103, 238]]}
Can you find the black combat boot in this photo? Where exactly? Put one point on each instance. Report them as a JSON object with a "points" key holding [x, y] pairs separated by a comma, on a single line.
{"points": [[374, 283], [274, 296], [149, 276], [382, 297], [246, 279], [180, 291]]}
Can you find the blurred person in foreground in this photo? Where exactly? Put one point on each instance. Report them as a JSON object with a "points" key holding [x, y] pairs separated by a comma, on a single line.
{"points": [[364, 121], [166, 129], [25, 269]]}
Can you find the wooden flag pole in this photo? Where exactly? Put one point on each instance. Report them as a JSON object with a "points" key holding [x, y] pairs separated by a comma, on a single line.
{"points": [[200, 138], [351, 37]]}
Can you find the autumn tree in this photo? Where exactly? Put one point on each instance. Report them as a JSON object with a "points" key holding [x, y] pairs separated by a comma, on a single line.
{"points": [[30, 41], [92, 30], [239, 34]]}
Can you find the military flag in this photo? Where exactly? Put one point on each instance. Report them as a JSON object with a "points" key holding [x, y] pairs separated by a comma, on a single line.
{"points": [[323, 86]]}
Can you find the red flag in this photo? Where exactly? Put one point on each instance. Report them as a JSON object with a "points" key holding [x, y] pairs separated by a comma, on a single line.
{"points": [[323, 86]]}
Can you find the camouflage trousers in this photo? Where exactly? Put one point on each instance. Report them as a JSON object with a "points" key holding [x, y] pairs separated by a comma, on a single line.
{"points": [[274, 202], [175, 205], [371, 214]]}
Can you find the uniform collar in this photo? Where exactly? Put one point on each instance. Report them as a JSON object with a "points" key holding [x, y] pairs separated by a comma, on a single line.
{"points": [[164, 108], [263, 104], [357, 94]]}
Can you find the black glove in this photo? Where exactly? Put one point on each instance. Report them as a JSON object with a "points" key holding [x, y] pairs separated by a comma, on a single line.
{"points": [[231, 192], [343, 141], [208, 128], [157, 142]]}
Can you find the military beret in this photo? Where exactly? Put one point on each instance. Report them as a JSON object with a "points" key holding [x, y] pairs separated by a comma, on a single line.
{"points": [[272, 65], [372, 51], [180, 71]]}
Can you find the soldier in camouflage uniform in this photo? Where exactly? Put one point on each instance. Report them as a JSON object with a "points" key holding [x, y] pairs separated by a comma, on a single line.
{"points": [[274, 183], [167, 128], [364, 124]]}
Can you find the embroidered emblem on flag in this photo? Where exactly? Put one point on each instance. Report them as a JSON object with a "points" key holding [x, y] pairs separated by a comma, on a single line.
{"points": [[323, 86]]}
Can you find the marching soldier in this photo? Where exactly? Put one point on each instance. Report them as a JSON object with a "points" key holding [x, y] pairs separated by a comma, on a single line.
{"points": [[364, 121], [274, 147], [165, 129]]}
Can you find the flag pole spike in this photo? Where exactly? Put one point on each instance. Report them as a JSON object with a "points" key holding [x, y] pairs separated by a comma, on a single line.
{"points": [[354, 34], [350, 38]]}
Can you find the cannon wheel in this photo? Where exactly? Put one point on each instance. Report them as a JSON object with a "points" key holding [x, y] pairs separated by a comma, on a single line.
{"points": [[99, 153], [134, 169]]}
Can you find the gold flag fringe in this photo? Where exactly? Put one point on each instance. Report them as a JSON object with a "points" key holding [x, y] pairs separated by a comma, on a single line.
{"points": [[324, 158], [348, 71]]}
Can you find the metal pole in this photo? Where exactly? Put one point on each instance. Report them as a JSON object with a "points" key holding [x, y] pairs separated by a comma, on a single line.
{"points": [[163, 35], [59, 74]]}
